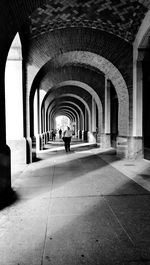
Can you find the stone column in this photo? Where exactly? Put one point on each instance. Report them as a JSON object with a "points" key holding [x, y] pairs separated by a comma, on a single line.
{"points": [[92, 135], [37, 126], [135, 141], [42, 131], [93, 115], [81, 122], [5, 164], [44, 125], [14, 104], [106, 135], [85, 131]]}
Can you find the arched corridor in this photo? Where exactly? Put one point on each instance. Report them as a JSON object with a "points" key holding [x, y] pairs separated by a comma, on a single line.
{"points": [[87, 61]]}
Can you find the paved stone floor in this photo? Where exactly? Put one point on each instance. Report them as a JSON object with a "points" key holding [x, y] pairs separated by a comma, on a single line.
{"points": [[85, 207]]}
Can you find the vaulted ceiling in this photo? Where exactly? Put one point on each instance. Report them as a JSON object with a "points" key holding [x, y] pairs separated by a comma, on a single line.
{"points": [[119, 17], [104, 27]]}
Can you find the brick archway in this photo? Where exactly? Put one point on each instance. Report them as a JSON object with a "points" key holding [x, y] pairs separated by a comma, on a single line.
{"points": [[103, 65]]}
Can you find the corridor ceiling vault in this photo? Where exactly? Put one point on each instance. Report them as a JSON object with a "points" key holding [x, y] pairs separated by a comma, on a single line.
{"points": [[119, 17]]}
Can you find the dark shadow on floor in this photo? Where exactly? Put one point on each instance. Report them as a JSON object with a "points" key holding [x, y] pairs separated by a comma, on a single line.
{"points": [[8, 198], [144, 176], [68, 170], [147, 153], [36, 159]]}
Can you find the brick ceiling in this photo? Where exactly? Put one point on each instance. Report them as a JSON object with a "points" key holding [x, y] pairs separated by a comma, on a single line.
{"points": [[119, 17]]}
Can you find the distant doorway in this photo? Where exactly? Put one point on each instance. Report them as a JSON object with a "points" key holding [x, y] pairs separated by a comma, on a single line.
{"points": [[61, 122]]}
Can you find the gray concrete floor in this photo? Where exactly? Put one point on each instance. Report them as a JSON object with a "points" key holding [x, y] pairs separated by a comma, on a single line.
{"points": [[85, 207]]}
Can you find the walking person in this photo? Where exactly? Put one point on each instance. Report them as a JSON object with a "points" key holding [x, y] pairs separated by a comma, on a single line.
{"points": [[67, 139]]}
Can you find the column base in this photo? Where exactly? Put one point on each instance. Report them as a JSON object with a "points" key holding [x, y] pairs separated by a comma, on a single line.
{"points": [[92, 137], [105, 140], [80, 134], [84, 135], [7, 197], [42, 141], [47, 136], [122, 147], [18, 151], [135, 147], [28, 150], [5, 170], [37, 146], [98, 139], [39, 142], [130, 147], [113, 140]]}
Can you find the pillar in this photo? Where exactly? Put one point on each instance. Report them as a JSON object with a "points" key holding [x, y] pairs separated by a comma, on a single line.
{"points": [[85, 131], [14, 104], [135, 141], [37, 120], [93, 115], [5, 163], [106, 135], [80, 126], [92, 135]]}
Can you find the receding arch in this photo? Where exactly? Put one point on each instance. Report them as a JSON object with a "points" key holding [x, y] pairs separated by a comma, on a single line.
{"points": [[103, 65], [60, 112], [88, 89], [68, 108], [68, 112], [80, 122], [111, 72], [70, 97], [84, 103]]}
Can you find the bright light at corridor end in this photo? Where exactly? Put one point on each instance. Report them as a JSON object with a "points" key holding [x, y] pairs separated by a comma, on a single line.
{"points": [[62, 122]]}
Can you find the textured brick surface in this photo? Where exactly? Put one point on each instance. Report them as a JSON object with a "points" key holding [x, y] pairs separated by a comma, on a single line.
{"points": [[120, 17], [49, 46], [96, 43], [59, 41], [63, 90], [61, 95], [53, 98], [75, 72], [124, 17], [74, 67]]}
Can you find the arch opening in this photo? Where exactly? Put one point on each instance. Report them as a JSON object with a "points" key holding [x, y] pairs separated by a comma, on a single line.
{"points": [[61, 122], [14, 104]]}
